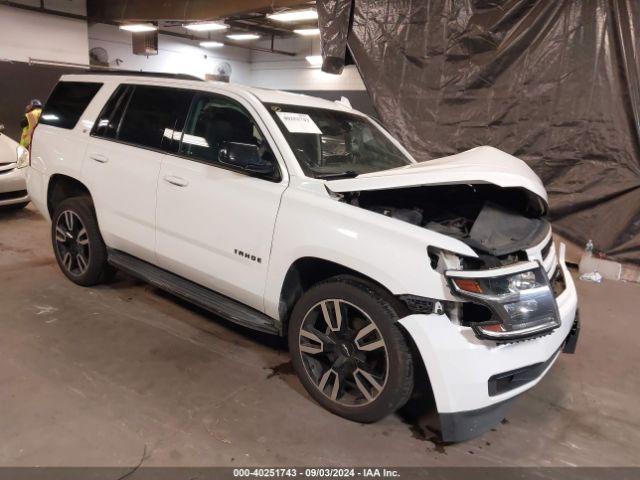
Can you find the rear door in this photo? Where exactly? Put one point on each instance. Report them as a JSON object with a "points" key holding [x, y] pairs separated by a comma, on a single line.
{"points": [[123, 160], [215, 224]]}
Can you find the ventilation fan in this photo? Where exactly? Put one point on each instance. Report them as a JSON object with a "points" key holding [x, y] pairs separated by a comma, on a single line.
{"points": [[223, 72], [99, 56]]}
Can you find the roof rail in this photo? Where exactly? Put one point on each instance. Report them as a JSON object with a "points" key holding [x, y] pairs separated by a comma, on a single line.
{"points": [[135, 73]]}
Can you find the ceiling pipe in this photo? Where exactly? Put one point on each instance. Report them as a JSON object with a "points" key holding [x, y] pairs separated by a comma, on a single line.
{"points": [[56, 63]]}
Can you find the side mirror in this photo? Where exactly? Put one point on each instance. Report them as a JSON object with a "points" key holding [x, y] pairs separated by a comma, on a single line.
{"points": [[245, 157]]}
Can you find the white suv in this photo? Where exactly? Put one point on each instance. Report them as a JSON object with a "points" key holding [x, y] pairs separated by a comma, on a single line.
{"points": [[304, 218]]}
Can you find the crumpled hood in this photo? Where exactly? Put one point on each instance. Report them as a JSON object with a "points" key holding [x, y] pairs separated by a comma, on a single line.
{"points": [[478, 165]]}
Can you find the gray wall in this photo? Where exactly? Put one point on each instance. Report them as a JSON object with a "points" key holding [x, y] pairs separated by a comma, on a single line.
{"points": [[19, 83]]}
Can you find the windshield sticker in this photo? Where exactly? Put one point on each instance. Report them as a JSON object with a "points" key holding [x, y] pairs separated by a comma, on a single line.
{"points": [[298, 122]]}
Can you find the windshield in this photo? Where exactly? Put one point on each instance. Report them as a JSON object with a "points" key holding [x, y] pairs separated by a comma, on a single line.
{"points": [[333, 144]]}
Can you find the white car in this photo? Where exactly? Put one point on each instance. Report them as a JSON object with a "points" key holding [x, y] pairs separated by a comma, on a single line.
{"points": [[304, 218], [13, 188]]}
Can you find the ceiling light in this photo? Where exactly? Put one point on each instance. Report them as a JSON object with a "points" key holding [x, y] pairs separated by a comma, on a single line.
{"points": [[139, 27], [294, 15], [315, 60], [209, 44], [307, 31], [243, 36], [206, 26]]}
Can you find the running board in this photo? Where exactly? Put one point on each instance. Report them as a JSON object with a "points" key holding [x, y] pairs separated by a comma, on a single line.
{"points": [[203, 297]]}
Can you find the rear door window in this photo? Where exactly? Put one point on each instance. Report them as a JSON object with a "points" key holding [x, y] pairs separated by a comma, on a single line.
{"points": [[67, 103], [154, 117], [108, 121]]}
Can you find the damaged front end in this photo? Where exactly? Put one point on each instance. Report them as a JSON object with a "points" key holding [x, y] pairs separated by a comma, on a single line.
{"points": [[508, 291], [498, 223]]}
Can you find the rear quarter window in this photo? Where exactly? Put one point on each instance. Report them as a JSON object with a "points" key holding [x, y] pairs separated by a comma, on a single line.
{"points": [[67, 103]]}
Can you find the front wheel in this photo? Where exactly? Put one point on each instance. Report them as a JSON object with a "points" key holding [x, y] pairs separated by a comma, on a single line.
{"points": [[348, 350]]}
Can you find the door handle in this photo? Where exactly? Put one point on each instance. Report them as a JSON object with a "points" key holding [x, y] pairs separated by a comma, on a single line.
{"points": [[99, 158], [177, 181]]}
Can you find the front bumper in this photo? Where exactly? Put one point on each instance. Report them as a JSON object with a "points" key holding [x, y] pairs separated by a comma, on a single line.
{"points": [[13, 188], [460, 365]]}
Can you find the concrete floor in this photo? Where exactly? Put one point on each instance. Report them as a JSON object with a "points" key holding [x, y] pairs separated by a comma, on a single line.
{"points": [[101, 376]]}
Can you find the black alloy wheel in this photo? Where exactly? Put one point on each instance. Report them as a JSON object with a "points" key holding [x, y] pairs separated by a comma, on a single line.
{"points": [[348, 349], [77, 242], [343, 351], [72, 243]]}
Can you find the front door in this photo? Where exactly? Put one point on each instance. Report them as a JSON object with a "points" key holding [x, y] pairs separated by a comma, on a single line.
{"points": [[214, 223]]}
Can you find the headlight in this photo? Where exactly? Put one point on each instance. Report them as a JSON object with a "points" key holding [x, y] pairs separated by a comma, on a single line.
{"points": [[23, 157], [519, 297], [522, 281]]}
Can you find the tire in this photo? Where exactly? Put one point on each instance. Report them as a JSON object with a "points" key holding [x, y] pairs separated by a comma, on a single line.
{"points": [[75, 231], [354, 354]]}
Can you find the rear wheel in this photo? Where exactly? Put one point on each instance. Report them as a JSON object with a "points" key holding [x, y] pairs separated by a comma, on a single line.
{"points": [[349, 351], [77, 242]]}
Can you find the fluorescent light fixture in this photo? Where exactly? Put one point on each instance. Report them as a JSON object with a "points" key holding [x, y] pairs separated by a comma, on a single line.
{"points": [[211, 44], [307, 32], [315, 60], [50, 117], [243, 36], [206, 26], [139, 27], [294, 15]]}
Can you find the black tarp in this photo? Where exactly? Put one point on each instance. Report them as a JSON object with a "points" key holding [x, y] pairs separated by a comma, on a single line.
{"points": [[554, 82]]}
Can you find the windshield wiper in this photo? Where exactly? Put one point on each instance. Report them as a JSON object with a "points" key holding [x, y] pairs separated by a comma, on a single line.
{"points": [[336, 175]]}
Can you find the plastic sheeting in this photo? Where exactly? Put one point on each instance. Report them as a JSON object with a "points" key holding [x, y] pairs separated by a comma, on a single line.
{"points": [[334, 16], [554, 82]]}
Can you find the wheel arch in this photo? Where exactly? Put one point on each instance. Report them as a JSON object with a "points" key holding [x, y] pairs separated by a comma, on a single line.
{"points": [[61, 187], [305, 272]]}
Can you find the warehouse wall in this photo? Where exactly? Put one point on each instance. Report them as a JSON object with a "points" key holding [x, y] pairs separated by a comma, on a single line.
{"points": [[175, 55], [260, 69], [24, 82], [297, 75], [25, 35], [60, 39]]}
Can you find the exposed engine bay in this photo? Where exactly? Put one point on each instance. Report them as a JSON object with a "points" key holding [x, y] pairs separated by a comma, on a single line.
{"points": [[498, 223]]}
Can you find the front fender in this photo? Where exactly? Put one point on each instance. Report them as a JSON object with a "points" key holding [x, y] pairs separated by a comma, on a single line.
{"points": [[310, 223]]}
